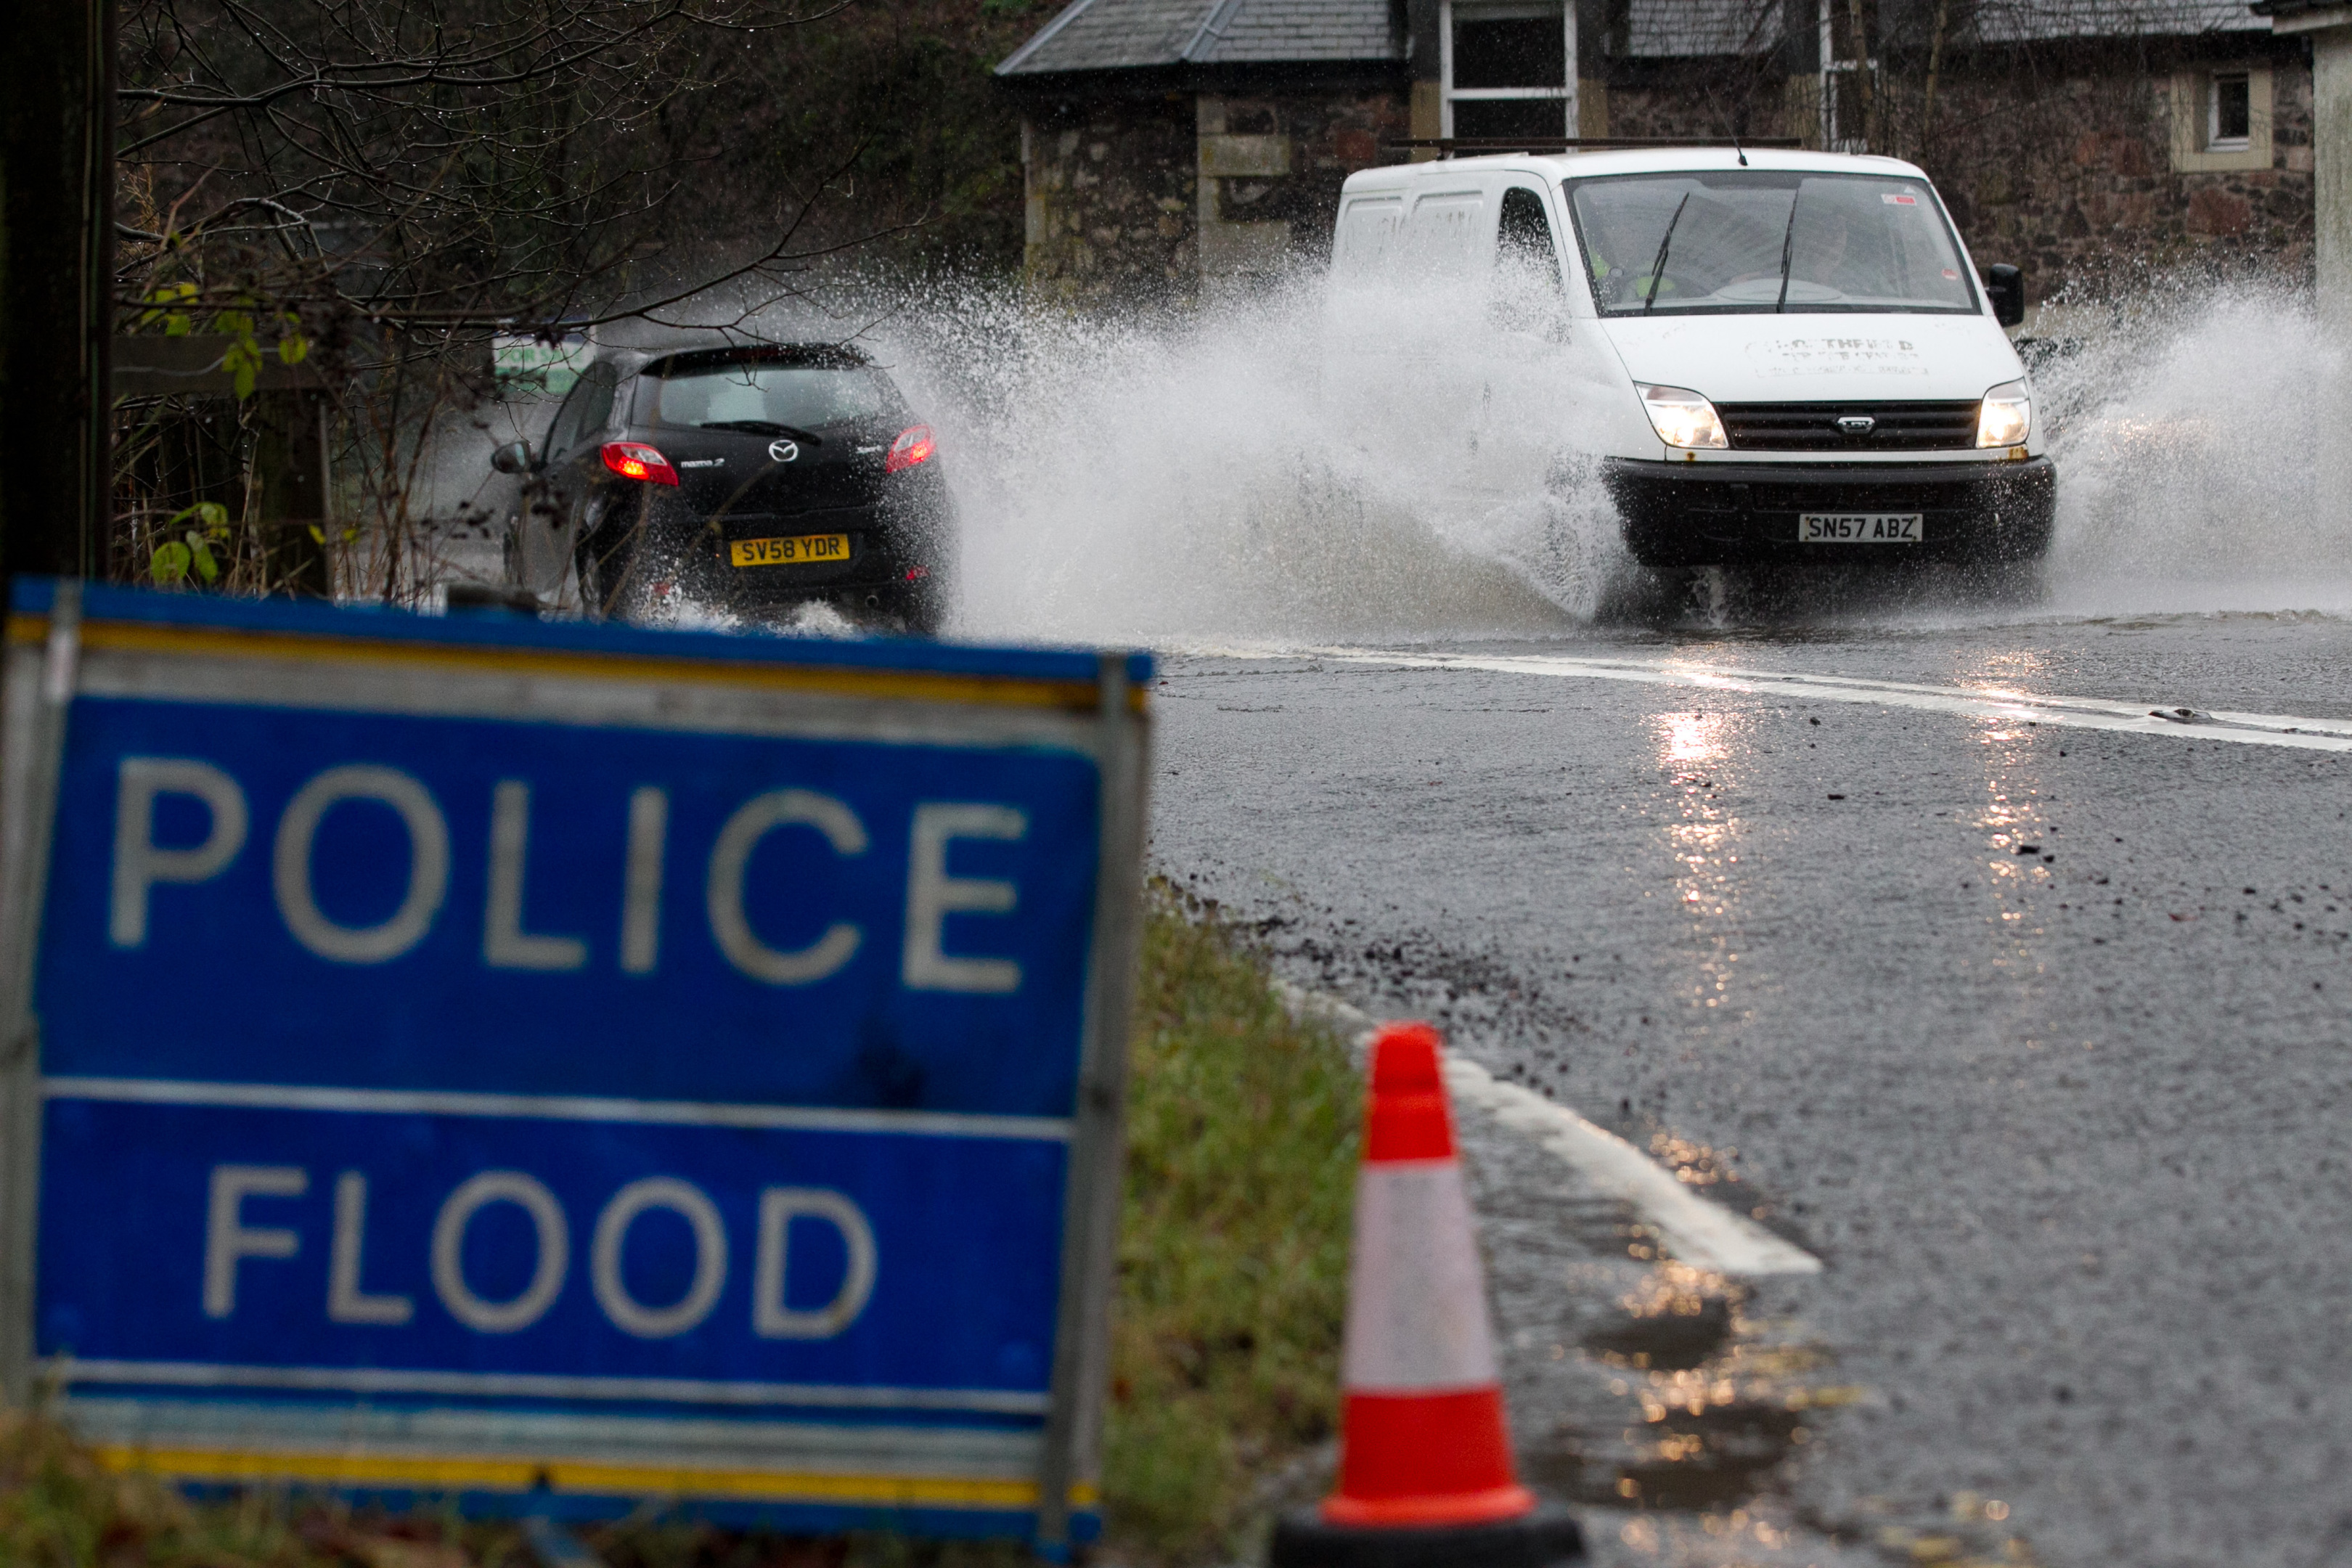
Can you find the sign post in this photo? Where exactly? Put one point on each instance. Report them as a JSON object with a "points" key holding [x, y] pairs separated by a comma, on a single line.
{"points": [[552, 1067]]}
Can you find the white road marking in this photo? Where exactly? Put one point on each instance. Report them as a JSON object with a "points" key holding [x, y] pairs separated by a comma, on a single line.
{"points": [[1705, 1235], [1702, 1234], [1986, 702]]}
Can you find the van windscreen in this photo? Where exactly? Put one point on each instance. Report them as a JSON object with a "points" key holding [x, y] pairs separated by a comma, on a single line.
{"points": [[1760, 241]]}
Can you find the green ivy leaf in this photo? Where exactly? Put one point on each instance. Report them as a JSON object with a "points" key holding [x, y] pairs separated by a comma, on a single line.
{"points": [[209, 515], [242, 360], [169, 565], [293, 349]]}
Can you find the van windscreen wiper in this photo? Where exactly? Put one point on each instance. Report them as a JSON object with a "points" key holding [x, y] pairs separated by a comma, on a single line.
{"points": [[1658, 268], [1787, 238]]}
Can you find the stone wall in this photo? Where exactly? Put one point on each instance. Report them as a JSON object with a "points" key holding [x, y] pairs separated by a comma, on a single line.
{"points": [[1271, 169], [2081, 170], [1144, 200], [1697, 97], [2083, 173], [1110, 187], [2092, 180]]}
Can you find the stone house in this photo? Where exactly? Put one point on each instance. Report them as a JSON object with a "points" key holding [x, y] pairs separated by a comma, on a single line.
{"points": [[1171, 147]]}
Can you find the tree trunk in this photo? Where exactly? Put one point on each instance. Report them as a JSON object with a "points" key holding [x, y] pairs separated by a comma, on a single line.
{"points": [[56, 267], [1935, 71], [1858, 39]]}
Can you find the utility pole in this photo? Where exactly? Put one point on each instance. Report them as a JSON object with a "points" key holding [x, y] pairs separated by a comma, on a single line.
{"points": [[56, 267]]}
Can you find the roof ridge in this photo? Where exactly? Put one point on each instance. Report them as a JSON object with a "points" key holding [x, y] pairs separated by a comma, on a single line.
{"points": [[1211, 30], [1069, 13]]}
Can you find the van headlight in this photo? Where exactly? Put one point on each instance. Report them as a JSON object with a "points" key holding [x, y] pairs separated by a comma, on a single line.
{"points": [[2006, 416], [1681, 417]]}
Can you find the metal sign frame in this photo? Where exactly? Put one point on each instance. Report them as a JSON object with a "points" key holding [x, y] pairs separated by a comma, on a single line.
{"points": [[65, 641]]}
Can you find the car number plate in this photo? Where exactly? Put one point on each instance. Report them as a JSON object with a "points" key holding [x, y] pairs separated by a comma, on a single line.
{"points": [[796, 551], [1859, 527]]}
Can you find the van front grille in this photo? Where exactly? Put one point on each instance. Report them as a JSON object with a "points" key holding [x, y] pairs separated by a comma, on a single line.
{"points": [[1813, 426]]}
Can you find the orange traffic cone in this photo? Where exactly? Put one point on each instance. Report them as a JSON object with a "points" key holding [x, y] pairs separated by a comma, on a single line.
{"points": [[1425, 1471]]}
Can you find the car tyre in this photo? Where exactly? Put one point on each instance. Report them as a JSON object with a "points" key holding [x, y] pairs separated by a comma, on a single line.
{"points": [[600, 566], [919, 611]]}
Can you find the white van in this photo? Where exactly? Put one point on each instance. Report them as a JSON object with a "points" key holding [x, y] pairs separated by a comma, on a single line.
{"points": [[1763, 354]]}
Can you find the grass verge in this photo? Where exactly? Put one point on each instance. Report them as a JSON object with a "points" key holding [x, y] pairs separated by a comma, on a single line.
{"points": [[1242, 1137]]}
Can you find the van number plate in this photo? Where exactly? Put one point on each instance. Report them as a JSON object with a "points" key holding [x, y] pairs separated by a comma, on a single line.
{"points": [[1859, 527], [794, 552]]}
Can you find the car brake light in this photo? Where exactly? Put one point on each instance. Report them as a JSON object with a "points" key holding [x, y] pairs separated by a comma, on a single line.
{"points": [[913, 446], [635, 461]]}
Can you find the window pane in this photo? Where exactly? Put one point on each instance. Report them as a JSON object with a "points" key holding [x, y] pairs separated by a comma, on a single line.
{"points": [[1852, 243], [1510, 51], [2232, 109], [803, 397], [1527, 267], [596, 400], [585, 412], [1505, 118]]}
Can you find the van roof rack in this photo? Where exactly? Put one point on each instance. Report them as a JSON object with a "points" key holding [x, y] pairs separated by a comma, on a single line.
{"points": [[1452, 146]]}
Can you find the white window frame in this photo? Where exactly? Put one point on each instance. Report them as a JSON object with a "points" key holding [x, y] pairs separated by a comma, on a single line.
{"points": [[2195, 114], [2214, 141], [1503, 10]]}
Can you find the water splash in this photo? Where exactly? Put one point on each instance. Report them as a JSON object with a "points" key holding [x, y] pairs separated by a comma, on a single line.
{"points": [[1178, 476], [1157, 478], [2195, 427]]}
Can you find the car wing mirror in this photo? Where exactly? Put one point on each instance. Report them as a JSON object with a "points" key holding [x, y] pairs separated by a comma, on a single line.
{"points": [[514, 457], [2005, 288]]}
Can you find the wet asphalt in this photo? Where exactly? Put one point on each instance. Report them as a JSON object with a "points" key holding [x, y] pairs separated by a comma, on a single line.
{"points": [[2070, 1129]]}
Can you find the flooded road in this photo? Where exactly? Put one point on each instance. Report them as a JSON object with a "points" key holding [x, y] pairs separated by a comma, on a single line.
{"points": [[2030, 1022], [1984, 941]]}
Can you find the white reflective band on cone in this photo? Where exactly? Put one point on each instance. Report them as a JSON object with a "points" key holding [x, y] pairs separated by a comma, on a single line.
{"points": [[1416, 1299]]}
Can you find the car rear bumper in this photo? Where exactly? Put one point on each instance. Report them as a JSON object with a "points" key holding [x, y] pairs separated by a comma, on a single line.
{"points": [[892, 550], [1724, 514]]}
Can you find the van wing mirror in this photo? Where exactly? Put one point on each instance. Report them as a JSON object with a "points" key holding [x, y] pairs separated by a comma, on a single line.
{"points": [[2005, 288], [514, 457]]}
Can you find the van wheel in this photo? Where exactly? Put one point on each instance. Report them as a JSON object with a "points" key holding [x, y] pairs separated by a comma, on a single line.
{"points": [[1708, 595], [1570, 571]]}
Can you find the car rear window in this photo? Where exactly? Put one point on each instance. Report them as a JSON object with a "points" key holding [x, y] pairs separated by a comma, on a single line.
{"points": [[700, 395]]}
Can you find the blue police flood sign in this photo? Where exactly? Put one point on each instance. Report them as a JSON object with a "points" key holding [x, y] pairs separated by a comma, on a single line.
{"points": [[551, 1067]]}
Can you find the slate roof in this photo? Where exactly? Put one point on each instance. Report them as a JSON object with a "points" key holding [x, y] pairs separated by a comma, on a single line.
{"points": [[1670, 29], [1128, 34], [1131, 35], [2015, 21]]}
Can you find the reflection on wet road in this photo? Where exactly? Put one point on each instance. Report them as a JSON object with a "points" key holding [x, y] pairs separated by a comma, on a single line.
{"points": [[2001, 968], [2007, 700]]}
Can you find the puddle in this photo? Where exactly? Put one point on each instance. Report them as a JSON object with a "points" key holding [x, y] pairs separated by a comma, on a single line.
{"points": [[1674, 1408], [1686, 1416]]}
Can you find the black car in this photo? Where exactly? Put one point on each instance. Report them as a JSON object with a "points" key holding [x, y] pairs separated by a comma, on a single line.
{"points": [[749, 478]]}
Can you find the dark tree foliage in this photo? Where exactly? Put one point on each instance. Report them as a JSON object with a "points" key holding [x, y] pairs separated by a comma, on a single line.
{"points": [[425, 164], [373, 188]]}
